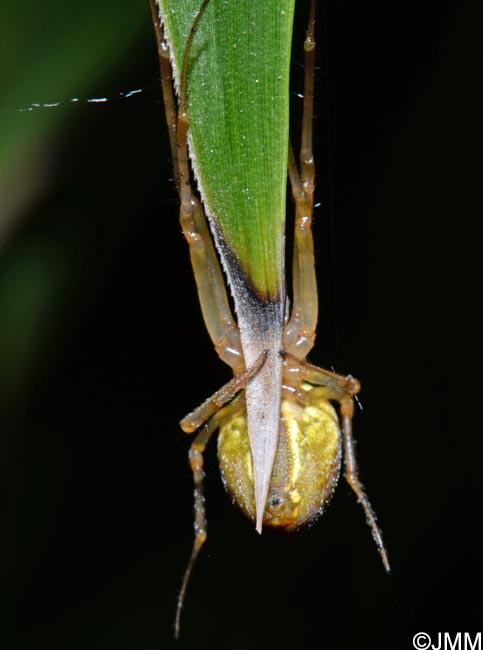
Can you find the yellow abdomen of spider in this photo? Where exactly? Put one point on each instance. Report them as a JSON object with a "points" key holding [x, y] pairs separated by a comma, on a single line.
{"points": [[306, 467]]}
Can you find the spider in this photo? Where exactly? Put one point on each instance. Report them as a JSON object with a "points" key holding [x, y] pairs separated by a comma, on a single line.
{"points": [[280, 443]]}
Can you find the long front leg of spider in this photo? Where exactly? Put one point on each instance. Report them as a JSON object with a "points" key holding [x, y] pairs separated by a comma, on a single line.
{"points": [[209, 279], [170, 109], [332, 386], [299, 333], [212, 295]]}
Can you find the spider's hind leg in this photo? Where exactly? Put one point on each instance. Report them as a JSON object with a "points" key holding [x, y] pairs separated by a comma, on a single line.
{"points": [[196, 460], [340, 388]]}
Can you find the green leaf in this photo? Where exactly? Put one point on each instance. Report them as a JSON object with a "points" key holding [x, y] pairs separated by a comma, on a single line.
{"points": [[238, 108]]}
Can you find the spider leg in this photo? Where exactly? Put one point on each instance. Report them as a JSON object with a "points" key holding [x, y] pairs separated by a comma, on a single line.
{"points": [[211, 413], [329, 385], [167, 87], [299, 333], [196, 462], [352, 476], [210, 283], [200, 523], [210, 406]]}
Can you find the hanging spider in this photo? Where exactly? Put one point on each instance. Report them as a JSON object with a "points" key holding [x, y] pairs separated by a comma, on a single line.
{"points": [[279, 462]]}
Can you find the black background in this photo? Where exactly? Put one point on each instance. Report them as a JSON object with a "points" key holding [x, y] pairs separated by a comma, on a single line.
{"points": [[97, 515]]}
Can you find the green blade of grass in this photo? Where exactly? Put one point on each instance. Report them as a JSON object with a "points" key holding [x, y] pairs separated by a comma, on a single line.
{"points": [[238, 105]]}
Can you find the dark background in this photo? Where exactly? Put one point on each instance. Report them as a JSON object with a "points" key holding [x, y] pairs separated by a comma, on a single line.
{"points": [[96, 523]]}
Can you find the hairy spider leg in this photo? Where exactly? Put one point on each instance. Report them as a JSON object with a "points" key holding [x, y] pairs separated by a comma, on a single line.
{"points": [[197, 449], [210, 415], [205, 411], [215, 308], [170, 110], [299, 334], [331, 386]]}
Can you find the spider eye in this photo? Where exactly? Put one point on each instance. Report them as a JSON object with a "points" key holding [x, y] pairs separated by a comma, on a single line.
{"points": [[274, 501]]}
